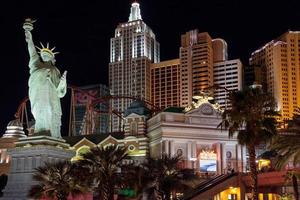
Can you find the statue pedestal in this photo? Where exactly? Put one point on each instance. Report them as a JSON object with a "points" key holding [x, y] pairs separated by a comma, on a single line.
{"points": [[30, 153]]}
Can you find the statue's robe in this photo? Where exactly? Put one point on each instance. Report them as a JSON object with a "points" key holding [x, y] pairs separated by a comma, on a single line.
{"points": [[44, 97]]}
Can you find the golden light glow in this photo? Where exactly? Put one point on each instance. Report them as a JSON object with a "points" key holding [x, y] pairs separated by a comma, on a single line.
{"points": [[263, 163], [137, 153], [231, 191], [47, 50], [208, 155], [82, 150]]}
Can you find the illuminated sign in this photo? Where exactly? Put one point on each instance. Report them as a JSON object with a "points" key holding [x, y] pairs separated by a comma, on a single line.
{"points": [[208, 155], [208, 161]]}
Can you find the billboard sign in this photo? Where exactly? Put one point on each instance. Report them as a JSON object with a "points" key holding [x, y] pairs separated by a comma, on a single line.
{"points": [[208, 161]]}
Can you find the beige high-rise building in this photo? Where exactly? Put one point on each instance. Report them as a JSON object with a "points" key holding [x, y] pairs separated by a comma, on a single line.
{"points": [[165, 83], [228, 77], [132, 50], [196, 60], [204, 63], [280, 62], [220, 52]]}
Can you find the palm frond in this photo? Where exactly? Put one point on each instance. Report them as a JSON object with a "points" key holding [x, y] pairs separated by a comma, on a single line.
{"points": [[288, 149], [58, 179], [162, 175], [104, 164]]}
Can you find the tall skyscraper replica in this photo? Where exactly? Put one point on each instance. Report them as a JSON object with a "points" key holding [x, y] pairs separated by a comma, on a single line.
{"points": [[280, 63], [227, 73], [227, 77], [196, 60], [204, 63], [132, 50]]}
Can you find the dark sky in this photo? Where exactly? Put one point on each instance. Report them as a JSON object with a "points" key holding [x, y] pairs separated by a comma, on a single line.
{"points": [[81, 31]]}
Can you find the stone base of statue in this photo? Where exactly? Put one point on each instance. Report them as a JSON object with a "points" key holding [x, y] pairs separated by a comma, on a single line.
{"points": [[30, 153]]}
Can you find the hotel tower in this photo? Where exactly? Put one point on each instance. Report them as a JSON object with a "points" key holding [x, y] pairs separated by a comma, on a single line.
{"points": [[280, 64], [132, 50], [196, 61]]}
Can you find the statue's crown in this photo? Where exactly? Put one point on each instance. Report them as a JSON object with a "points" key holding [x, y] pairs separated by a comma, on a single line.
{"points": [[46, 50]]}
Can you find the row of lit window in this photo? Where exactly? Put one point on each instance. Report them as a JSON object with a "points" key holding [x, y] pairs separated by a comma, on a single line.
{"points": [[158, 72], [162, 100], [227, 74], [163, 88], [227, 78]]}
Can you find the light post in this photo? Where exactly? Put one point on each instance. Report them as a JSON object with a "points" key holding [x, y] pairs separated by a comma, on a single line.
{"points": [[193, 162]]}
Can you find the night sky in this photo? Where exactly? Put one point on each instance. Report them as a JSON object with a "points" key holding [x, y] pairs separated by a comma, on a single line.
{"points": [[81, 31]]}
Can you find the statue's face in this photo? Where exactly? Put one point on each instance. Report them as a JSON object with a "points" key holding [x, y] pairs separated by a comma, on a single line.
{"points": [[46, 57]]}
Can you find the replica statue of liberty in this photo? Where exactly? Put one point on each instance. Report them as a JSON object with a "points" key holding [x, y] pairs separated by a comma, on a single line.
{"points": [[46, 86]]}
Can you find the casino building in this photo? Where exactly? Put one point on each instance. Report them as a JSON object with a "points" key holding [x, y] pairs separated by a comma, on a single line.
{"points": [[195, 135]]}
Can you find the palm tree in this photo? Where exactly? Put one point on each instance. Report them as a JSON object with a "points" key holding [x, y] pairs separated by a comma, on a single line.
{"points": [[287, 147], [58, 180], [105, 164], [252, 116], [162, 177], [133, 174]]}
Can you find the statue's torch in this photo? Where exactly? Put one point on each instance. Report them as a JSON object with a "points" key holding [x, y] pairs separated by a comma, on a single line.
{"points": [[28, 24]]}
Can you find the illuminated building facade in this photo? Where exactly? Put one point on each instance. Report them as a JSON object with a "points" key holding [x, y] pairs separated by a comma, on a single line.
{"points": [[204, 63], [137, 146], [132, 50], [227, 76], [220, 52], [196, 60], [195, 136], [165, 83], [280, 62], [136, 116]]}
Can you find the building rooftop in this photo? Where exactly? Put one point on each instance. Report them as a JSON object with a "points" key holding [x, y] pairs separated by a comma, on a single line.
{"points": [[174, 109], [95, 138]]}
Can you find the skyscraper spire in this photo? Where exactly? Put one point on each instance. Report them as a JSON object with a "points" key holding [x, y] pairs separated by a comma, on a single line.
{"points": [[135, 12]]}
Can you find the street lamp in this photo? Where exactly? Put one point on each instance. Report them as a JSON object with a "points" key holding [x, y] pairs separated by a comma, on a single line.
{"points": [[193, 161]]}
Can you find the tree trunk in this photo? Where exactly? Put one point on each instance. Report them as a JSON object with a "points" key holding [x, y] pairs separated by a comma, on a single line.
{"points": [[107, 192], [166, 192], [295, 187], [173, 194], [61, 196], [253, 172], [167, 195]]}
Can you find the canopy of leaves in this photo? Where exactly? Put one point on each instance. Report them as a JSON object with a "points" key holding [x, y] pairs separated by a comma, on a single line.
{"points": [[252, 116], [59, 180]]}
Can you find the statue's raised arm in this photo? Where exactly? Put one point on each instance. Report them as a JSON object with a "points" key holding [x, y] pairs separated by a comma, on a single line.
{"points": [[28, 27]]}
